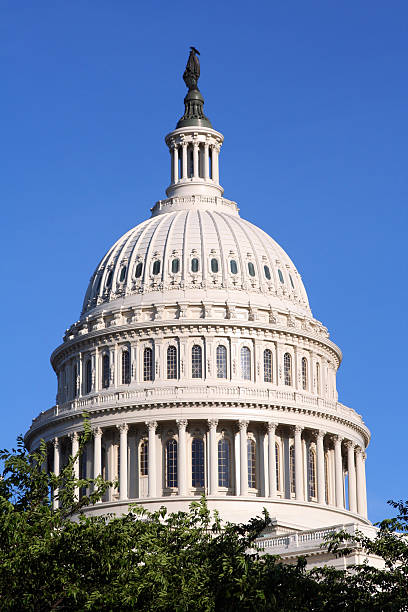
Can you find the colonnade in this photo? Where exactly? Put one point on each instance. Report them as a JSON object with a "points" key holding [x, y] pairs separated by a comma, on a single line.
{"points": [[292, 462], [204, 165]]}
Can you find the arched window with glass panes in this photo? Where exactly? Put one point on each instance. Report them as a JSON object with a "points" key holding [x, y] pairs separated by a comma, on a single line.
{"points": [[105, 371], [304, 373], [171, 362], [148, 364], [221, 361], [196, 361], [88, 376], [197, 462], [171, 463], [251, 447], [224, 463], [144, 458], [311, 468], [267, 365], [245, 363], [125, 367], [287, 369]]}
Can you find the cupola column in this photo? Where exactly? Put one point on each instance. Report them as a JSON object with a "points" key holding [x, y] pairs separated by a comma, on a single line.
{"points": [[338, 471], [182, 457], [298, 463], [215, 150], [175, 164], [272, 459], [360, 482], [206, 161], [351, 466], [184, 160], [212, 423], [195, 160], [243, 444], [151, 425], [123, 467]]}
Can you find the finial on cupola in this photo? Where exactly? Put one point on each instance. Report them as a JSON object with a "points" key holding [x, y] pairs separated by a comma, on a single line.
{"points": [[194, 101]]}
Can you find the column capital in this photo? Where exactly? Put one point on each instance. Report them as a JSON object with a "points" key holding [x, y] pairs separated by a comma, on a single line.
{"points": [[123, 427], [182, 423], [55, 442], [243, 425], [298, 430], [364, 454], [271, 426], [74, 435], [97, 432], [359, 450], [349, 444], [321, 433], [212, 423], [151, 425]]}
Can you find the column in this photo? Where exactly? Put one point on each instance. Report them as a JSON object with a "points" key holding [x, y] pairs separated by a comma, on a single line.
{"points": [[243, 437], [213, 480], [206, 162], [360, 481], [123, 467], [364, 456], [338, 470], [195, 160], [152, 425], [56, 470], [97, 458], [321, 488], [351, 466], [298, 464], [74, 451], [272, 459], [132, 473], [184, 160], [182, 457], [174, 155], [215, 168]]}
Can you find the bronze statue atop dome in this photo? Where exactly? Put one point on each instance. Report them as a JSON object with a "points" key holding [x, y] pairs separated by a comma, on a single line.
{"points": [[192, 71]]}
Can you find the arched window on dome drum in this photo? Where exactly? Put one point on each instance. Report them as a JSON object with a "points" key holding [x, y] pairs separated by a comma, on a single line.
{"points": [[171, 463], [312, 472], [144, 458], [105, 372], [277, 466], [122, 274], [138, 270], [175, 266], [224, 463], [267, 365], [281, 276], [233, 266], [221, 362], [245, 363], [251, 448], [196, 361], [74, 380], [251, 268], [88, 376], [317, 379], [109, 279], [194, 264], [171, 362], [287, 369], [156, 267], [304, 373], [267, 273], [197, 462], [148, 364], [292, 468], [98, 285], [214, 265], [125, 367]]}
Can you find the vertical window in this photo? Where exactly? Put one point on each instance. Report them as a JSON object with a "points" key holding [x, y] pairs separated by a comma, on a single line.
{"points": [[98, 286], [291, 281], [148, 364], [304, 373], [194, 264], [312, 472], [267, 365], [196, 362], [175, 266], [138, 270], [88, 376], [280, 276], [171, 362], [221, 362], [251, 268], [246, 363], [224, 463], [318, 378], [197, 462], [277, 466], [122, 275], [105, 371], [156, 267], [109, 279], [287, 369], [292, 468], [251, 447], [233, 266], [74, 380], [267, 273], [125, 367], [171, 463], [144, 458], [214, 265]]}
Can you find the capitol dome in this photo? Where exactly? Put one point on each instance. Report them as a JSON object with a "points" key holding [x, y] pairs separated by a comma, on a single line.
{"points": [[202, 368]]}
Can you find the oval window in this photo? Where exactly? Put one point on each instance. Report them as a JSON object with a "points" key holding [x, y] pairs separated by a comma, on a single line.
{"points": [[267, 272], [194, 265], [251, 268], [175, 266], [280, 276], [138, 270], [156, 267], [214, 265], [233, 266], [109, 279], [122, 274], [291, 281]]}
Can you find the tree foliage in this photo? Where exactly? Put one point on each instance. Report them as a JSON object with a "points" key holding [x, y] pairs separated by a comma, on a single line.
{"points": [[65, 559]]}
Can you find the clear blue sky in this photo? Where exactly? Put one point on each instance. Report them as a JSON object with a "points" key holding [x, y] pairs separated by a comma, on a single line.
{"points": [[312, 98]]}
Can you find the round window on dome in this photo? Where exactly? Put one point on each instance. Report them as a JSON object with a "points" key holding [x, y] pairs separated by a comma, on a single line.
{"points": [[194, 264], [156, 267], [214, 265], [267, 272], [138, 270], [233, 266], [291, 281], [122, 274], [175, 266], [109, 279], [251, 268], [280, 276]]}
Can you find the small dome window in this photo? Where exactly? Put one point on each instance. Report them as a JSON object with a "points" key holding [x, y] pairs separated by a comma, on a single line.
{"points": [[156, 267], [194, 264], [267, 272], [291, 281], [98, 286], [214, 265], [233, 266], [280, 276], [175, 266], [251, 268], [109, 279], [138, 270], [122, 274]]}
